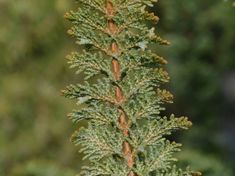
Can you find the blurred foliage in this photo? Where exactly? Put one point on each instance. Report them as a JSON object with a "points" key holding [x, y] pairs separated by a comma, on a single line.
{"points": [[33, 124], [202, 59], [207, 164], [33, 129], [40, 168]]}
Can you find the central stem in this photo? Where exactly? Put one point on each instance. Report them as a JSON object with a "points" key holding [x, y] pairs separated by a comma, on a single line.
{"points": [[116, 69]]}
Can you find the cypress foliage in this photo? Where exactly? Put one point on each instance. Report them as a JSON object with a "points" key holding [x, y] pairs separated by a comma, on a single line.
{"points": [[126, 134]]}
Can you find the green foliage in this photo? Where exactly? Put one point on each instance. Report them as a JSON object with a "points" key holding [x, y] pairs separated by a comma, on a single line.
{"points": [[206, 163], [202, 56], [32, 124], [38, 168], [116, 31]]}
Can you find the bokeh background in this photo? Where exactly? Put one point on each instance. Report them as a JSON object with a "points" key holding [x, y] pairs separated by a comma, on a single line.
{"points": [[34, 130]]}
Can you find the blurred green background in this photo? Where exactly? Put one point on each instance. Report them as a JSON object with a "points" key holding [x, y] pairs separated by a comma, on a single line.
{"points": [[34, 130]]}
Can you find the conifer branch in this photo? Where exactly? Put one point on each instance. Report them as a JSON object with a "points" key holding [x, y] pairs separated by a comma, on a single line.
{"points": [[116, 68], [126, 134]]}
